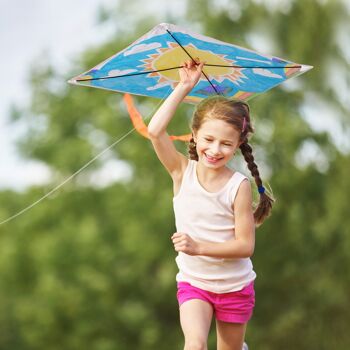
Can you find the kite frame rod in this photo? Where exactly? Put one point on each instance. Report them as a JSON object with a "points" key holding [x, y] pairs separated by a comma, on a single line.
{"points": [[166, 69]]}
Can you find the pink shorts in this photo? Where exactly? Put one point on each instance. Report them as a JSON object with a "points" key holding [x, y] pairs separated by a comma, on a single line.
{"points": [[233, 307]]}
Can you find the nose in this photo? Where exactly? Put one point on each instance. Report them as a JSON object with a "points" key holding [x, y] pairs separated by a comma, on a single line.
{"points": [[215, 149]]}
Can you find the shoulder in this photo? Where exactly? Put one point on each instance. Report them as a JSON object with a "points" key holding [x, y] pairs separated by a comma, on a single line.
{"points": [[245, 187], [243, 197], [239, 176]]}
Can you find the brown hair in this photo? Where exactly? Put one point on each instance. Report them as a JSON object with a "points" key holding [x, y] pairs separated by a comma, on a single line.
{"points": [[236, 113]]}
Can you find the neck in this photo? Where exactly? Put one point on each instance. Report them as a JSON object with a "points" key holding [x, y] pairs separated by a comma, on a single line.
{"points": [[208, 174]]}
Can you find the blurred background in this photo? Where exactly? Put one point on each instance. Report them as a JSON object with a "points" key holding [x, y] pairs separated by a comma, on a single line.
{"points": [[92, 266]]}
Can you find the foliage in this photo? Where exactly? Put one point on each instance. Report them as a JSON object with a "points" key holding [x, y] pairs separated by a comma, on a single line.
{"points": [[93, 267]]}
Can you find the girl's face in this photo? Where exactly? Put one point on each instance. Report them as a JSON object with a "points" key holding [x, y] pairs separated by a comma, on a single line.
{"points": [[216, 142]]}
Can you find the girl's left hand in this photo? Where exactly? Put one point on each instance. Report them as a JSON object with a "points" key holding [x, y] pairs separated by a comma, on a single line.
{"points": [[191, 72], [184, 243]]}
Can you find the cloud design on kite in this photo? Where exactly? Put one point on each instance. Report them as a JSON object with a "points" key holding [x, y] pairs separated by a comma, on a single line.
{"points": [[118, 72], [158, 86], [253, 60], [266, 73], [142, 48]]}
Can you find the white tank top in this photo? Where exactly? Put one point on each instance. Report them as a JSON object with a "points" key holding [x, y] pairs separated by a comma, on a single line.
{"points": [[209, 216]]}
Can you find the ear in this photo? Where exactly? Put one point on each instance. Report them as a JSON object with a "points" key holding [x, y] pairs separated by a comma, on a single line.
{"points": [[194, 135], [239, 143]]}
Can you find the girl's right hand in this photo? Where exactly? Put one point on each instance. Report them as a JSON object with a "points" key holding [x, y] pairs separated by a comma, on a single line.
{"points": [[190, 73]]}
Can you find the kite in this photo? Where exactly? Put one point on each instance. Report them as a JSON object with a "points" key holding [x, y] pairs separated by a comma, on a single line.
{"points": [[149, 67]]}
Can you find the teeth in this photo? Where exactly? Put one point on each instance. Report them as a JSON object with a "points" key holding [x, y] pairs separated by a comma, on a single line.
{"points": [[212, 158]]}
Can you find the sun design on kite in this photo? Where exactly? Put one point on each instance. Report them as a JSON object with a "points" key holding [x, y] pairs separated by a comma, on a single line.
{"points": [[174, 56]]}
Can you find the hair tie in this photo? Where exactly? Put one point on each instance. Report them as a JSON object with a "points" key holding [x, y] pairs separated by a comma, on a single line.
{"points": [[244, 124], [261, 189]]}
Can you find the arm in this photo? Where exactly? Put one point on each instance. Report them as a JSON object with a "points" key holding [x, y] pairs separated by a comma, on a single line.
{"points": [[242, 246], [172, 160]]}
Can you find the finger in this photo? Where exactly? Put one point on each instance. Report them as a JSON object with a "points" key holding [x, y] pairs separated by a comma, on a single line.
{"points": [[176, 234], [180, 244], [180, 248], [177, 240], [182, 239], [200, 66]]}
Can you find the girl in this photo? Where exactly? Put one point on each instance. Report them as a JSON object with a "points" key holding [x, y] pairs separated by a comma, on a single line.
{"points": [[213, 213]]}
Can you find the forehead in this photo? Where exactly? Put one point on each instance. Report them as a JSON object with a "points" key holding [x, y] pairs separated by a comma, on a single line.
{"points": [[219, 129]]}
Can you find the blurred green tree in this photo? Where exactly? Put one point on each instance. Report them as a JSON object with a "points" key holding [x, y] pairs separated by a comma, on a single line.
{"points": [[93, 266]]}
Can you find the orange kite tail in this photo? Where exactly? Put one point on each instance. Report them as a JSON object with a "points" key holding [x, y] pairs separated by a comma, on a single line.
{"points": [[139, 124]]}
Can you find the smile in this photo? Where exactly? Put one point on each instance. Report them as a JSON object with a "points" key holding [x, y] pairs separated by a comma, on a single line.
{"points": [[212, 159]]}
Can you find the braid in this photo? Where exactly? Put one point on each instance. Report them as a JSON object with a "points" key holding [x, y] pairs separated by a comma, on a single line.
{"points": [[192, 150], [248, 156], [265, 204]]}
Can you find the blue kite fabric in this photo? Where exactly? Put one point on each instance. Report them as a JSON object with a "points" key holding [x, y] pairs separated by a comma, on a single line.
{"points": [[149, 67]]}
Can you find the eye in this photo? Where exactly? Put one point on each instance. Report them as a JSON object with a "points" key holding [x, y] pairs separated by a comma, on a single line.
{"points": [[228, 144], [207, 139]]}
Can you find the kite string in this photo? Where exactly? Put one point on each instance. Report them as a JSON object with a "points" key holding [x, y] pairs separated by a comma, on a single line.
{"points": [[67, 179], [78, 171]]}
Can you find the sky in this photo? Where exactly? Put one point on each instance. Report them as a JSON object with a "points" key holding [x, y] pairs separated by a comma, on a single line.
{"points": [[32, 30]]}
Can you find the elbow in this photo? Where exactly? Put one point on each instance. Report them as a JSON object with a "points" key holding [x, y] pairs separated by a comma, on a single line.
{"points": [[249, 251], [154, 134], [155, 130]]}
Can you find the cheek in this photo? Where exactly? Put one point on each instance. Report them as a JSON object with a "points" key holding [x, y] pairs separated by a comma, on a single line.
{"points": [[201, 145], [230, 150]]}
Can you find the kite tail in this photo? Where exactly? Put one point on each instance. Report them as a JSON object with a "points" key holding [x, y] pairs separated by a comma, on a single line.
{"points": [[135, 116], [139, 124]]}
